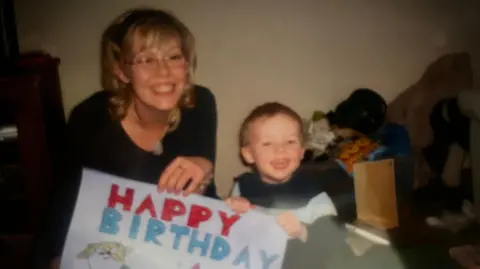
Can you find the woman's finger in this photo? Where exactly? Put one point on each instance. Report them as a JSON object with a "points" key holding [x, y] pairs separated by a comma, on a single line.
{"points": [[174, 177], [166, 174], [202, 187], [197, 179], [182, 180]]}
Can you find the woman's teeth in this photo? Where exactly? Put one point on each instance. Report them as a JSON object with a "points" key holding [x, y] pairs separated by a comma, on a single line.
{"points": [[163, 89]]}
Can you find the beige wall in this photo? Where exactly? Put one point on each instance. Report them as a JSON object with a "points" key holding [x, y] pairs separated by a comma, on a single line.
{"points": [[306, 53]]}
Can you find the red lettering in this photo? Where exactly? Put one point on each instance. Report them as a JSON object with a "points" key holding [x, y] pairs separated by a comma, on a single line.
{"points": [[227, 222], [147, 204], [116, 198], [198, 214], [172, 208]]}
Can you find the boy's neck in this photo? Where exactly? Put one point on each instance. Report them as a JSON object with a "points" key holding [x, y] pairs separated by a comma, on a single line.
{"points": [[268, 180]]}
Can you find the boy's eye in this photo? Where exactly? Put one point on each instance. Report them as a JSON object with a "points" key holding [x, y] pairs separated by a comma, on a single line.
{"points": [[266, 144], [292, 141]]}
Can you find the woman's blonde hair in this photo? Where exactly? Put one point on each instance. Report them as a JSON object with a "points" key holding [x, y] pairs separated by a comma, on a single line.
{"points": [[150, 27]]}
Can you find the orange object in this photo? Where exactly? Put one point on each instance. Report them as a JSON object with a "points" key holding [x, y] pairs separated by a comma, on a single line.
{"points": [[356, 150]]}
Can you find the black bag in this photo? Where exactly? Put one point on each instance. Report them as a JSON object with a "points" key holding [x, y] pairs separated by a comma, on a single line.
{"points": [[363, 111]]}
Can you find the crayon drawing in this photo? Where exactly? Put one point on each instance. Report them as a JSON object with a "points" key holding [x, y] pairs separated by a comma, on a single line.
{"points": [[105, 255]]}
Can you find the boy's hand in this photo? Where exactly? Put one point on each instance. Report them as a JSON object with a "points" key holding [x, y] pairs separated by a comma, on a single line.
{"points": [[294, 228], [238, 204]]}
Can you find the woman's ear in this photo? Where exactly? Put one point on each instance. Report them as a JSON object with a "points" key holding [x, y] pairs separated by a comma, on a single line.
{"points": [[247, 155], [120, 73]]}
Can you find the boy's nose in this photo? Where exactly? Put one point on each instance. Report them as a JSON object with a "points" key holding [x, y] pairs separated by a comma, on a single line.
{"points": [[279, 148]]}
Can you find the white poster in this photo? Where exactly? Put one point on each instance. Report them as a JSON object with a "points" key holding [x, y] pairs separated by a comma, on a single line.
{"points": [[123, 224]]}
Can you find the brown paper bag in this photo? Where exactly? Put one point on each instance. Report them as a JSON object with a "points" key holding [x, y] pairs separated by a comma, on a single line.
{"points": [[375, 193]]}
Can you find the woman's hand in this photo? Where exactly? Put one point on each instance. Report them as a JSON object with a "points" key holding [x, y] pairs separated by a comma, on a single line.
{"points": [[194, 171]]}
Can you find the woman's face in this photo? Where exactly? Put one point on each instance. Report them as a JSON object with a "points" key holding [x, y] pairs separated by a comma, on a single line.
{"points": [[158, 75]]}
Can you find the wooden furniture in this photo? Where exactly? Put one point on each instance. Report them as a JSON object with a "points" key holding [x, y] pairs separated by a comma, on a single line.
{"points": [[31, 101]]}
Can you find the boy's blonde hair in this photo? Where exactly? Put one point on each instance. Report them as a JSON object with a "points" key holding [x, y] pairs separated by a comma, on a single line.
{"points": [[149, 27], [267, 110]]}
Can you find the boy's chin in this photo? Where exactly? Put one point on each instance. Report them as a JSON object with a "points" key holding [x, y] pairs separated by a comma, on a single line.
{"points": [[278, 177]]}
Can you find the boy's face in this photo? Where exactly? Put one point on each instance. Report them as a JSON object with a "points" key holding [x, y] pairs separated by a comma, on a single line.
{"points": [[275, 147]]}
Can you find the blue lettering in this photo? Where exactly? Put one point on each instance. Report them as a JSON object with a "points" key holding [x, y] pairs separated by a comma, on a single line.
{"points": [[136, 221], [243, 257], [179, 231], [220, 249], [154, 229], [110, 219], [195, 243], [266, 261]]}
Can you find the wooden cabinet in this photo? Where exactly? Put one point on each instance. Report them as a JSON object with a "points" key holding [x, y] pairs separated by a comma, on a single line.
{"points": [[31, 103]]}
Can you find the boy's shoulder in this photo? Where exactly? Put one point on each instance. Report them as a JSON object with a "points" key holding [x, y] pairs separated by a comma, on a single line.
{"points": [[295, 193], [301, 178], [251, 186], [247, 176], [250, 183]]}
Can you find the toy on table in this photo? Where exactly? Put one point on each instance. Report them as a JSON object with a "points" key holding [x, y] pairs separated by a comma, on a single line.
{"points": [[358, 149], [319, 134]]}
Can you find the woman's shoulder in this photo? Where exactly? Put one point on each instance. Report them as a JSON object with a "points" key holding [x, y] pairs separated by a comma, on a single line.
{"points": [[205, 109], [204, 96], [94, 108]]}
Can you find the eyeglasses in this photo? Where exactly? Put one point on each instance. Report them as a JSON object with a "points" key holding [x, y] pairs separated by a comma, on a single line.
{"points": [[151, 61]]}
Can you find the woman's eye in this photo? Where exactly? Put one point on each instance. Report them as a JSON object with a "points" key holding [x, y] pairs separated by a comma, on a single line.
{"points": [[266, 144], [292, 142], [175, 57], [149, 60], [144, 60]]}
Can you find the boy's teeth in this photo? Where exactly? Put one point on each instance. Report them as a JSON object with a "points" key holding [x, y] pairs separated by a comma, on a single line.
{"points": [[279, 163]]}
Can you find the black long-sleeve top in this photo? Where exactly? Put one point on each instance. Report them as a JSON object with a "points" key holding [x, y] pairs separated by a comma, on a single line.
{"points": [[96, 141]]}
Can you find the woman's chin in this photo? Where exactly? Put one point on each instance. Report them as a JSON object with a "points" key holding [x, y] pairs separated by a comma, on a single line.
{"points": [[165, 108], [165, 104]]}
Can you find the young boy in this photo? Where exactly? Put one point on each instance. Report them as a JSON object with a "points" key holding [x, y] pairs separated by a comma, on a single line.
{"points": [[271, 141]]}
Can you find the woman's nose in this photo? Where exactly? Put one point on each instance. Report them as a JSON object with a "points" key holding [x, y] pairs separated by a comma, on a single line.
{"points": [[162, 68]]}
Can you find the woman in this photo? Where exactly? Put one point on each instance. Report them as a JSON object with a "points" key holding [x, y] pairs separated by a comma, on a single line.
{"points": [[151, 123]]}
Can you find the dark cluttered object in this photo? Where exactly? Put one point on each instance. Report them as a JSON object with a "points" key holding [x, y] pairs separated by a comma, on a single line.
{"points": [[362, 114], [449, 126], [361, 135], [9, 49], [32, 126], [427, 133], [364, 111]]}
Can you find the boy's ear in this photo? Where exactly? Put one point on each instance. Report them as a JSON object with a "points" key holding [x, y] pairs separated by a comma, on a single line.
{"points": [[247, 155], [303, 152]]}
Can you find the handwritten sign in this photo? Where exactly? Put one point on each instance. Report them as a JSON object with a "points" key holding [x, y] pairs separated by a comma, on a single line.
{"points": [[123, 224]]}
